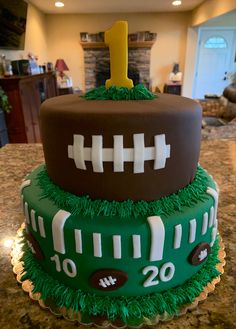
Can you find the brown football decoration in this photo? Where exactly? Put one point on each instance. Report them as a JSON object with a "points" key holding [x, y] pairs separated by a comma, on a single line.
{"points": [[119, 150], [108, 279], [199, 253], [34, 246]]}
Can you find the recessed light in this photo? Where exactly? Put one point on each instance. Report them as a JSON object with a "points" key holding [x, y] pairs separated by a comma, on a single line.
{"points": [[59, 4], [176, 3]]}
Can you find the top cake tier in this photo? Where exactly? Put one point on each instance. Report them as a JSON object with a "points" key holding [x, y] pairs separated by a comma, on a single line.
{"points": [[119, 150]]}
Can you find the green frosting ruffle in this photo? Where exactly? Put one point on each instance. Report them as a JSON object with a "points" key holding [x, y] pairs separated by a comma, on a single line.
{"points": [[83, 205], [138, 92], [130, 309]]}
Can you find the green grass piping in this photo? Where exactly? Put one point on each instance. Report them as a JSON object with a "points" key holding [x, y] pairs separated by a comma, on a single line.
{"points": [[126, 308], [138, 92], [83, 205]]}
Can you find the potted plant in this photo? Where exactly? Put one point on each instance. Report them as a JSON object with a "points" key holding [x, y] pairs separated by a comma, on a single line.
{"points": [[4, 103], [4, 107]]}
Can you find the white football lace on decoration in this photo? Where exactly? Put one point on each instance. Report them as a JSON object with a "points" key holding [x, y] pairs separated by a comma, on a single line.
{"points": [[106, 282], [202, 255], [118, 154]]}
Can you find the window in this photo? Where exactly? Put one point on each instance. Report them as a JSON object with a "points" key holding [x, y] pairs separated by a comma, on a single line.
{"points": [[215, 42]]}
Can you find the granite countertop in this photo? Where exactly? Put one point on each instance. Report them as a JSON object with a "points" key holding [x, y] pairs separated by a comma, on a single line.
{"points": [[17, 310]]}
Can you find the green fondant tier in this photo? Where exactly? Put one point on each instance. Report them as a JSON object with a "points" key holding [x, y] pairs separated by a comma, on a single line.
{"points": [[121, 256], [129, 310]]}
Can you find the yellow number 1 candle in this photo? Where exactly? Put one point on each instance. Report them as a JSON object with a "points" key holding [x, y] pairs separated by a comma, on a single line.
{"points": [[117, 40]]}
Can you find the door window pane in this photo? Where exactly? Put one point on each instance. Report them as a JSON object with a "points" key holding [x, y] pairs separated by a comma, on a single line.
{"points": [[215, 42]]}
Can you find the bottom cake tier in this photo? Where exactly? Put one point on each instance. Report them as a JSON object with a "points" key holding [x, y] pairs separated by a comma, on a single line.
{"points": [[116, 312], [114, 250]]}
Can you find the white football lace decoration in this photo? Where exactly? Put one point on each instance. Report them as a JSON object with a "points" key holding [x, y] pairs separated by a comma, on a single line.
{"points": [[203, 254], [97, 154], [106, 282]]}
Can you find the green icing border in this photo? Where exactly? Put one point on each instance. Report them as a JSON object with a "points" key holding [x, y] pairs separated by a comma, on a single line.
{"points": [[138, 92], [129, 309], [83, 205]]}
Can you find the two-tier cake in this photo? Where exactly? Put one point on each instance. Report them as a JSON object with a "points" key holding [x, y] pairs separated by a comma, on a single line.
{"points": [[121, 221]]}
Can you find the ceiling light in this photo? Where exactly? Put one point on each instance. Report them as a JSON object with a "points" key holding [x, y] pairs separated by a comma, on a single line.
{"points": [[176, 3], [59, 4]]}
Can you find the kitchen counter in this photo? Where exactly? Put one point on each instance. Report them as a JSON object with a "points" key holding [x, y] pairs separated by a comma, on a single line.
{"points": [[17, 310]]}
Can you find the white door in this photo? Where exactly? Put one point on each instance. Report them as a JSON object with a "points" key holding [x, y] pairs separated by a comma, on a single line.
{"points": [[215, 62]]}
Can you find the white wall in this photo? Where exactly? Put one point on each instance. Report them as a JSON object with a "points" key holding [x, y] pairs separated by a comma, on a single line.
{"points": [[63, 33], [226, 20], [211, 9], [190, 63], [58, 36]]}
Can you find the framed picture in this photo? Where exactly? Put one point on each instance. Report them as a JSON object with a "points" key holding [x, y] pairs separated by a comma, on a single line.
{"points": [[84, 36]]}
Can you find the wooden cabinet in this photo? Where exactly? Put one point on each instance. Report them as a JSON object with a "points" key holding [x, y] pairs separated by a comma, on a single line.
{"points": [[172, 88], [65, 91], [25, 94], [3, 129]]}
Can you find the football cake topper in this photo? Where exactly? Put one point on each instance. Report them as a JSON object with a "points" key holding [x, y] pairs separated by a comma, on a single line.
{"points": [[117, 40]]}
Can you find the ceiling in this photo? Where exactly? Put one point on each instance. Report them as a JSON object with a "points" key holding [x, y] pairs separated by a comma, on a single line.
{"points": [[113, 6]]}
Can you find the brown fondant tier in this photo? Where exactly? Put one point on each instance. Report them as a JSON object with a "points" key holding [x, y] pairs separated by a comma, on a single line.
{"points": [[154, 152]]}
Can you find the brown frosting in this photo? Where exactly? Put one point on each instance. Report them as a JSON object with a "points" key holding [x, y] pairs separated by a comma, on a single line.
{"points": [[177, 117]]}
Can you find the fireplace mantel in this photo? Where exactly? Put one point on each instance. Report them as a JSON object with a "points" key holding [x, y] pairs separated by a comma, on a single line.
{"points": [[132, 44]]}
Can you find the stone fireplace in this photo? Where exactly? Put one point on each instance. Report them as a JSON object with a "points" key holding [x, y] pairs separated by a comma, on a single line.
{"points": [[97, 66]]}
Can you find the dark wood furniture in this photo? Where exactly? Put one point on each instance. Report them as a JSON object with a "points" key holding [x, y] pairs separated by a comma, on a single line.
{"points": [[3, 129], [172, 88], [25, 94], [65, 91]]}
